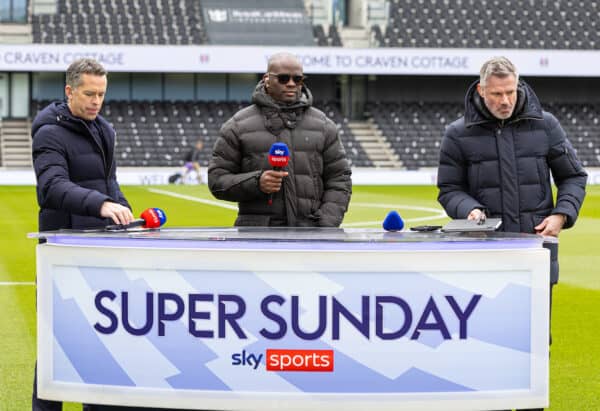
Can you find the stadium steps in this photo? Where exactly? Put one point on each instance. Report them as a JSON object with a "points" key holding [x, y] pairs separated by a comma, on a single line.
{"points": [[43, 6], [15, 143], [16, 33], [318, 11], [378, 150], [377, 13]]}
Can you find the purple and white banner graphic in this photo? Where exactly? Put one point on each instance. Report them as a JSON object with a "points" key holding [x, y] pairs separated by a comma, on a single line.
{"points": [[228, 323]]}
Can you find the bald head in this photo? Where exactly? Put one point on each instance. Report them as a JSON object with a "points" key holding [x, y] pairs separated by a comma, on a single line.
{"points": [[276, 60]]}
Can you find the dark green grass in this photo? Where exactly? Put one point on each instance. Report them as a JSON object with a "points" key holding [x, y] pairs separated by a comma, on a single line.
{"points": [[575, 363]]}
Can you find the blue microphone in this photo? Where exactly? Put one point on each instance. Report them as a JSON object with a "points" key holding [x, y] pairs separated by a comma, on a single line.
{"points": [[393, 222]]}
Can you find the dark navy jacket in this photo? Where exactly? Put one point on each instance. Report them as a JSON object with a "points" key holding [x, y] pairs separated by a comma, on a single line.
{"points": [[75, 170], [504, 166]]}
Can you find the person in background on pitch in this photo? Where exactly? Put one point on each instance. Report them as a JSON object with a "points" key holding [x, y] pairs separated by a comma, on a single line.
{"points": [[315, 188], [192, 161], [192, 164], [73, 157], [497, 159]]}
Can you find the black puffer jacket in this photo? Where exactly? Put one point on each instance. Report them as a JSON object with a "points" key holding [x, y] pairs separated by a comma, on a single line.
{"points": [[318, 188], [75, 171], [504, 166]]}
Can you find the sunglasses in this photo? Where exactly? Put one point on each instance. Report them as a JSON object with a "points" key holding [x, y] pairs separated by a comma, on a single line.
{"points": [[285, 78]]}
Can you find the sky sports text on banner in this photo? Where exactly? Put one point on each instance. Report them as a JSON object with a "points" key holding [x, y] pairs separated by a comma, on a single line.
{"points": [[317, 60], [425, 327]]}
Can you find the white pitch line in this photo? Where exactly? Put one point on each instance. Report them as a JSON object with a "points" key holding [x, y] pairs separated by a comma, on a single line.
{"points": [[408, 220], [191, 198], [438, 213], [10, 283], [400, 207]]}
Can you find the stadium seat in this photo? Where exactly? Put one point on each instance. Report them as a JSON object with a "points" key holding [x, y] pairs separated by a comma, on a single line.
{"points": [[472, 24], [158, 133]]}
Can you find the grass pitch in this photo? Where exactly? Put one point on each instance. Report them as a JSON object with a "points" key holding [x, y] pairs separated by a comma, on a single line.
{"points": [[575, 362]]}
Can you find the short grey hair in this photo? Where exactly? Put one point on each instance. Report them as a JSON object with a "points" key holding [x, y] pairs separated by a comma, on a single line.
{"points": [[499, 67], [83, 66]]}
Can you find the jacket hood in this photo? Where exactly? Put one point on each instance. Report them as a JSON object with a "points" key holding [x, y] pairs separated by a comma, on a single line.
{"points": [[278, 115], [528, 106], [56, 113]]}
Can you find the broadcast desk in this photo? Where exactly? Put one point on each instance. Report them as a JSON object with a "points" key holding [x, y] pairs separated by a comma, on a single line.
{"points": [[293, 319]]}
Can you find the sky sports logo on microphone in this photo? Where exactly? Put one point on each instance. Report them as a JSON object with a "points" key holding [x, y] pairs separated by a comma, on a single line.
{"points": [[279, 155], [280, 360]]}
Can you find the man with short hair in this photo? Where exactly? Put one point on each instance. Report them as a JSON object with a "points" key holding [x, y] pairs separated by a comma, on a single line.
{"points": [[73, 157], [315, 188], [497, 159]]}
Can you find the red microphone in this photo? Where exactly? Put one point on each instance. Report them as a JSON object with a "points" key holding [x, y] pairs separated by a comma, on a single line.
{"points": [[150, 218], [279, 156]]}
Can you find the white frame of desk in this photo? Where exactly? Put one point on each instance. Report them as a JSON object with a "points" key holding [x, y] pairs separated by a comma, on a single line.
{"points": [[52, 258]]}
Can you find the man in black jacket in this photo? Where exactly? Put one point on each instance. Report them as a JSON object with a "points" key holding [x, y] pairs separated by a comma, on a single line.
{"points": [[497, 159], [314, 189], [73, 157]]}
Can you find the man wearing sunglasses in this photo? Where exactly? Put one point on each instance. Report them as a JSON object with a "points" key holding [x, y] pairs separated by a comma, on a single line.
{"points": [[314, 189]]}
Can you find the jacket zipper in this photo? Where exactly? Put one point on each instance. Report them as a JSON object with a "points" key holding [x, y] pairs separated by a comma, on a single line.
{"points": [[99, 145]]}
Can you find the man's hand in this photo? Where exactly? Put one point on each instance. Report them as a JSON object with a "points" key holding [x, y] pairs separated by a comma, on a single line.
{"points": [[270, 181], [118, 213], [475, 214], [551, 225]]}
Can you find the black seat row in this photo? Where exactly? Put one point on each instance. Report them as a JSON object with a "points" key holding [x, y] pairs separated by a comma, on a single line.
{"points": [[552, 24], [159, 133]]}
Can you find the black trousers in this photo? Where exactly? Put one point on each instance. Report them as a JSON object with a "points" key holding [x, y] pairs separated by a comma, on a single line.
{"points": [[37, 404]]}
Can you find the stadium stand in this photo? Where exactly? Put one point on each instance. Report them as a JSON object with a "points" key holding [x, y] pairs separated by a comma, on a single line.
{"points": [[116, 22], [332, 38], [143, 22], [415, 129], [554, 24], [159, 133], [356, 153]]}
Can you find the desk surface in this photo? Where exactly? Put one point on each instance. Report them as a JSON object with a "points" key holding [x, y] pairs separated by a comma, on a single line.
{"points": [[291, 239]]}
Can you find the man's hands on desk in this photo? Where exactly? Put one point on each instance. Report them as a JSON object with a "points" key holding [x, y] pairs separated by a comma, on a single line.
{"points": [[117, 212], [550, 226], [476, 214]]}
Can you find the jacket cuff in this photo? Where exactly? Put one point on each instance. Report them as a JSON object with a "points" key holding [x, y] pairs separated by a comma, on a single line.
{"points": [[96, 201], [467, 206], [571, 216]]}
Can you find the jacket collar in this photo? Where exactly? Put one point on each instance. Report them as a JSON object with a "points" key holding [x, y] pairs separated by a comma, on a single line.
{"points": [[261, 98], [58, 113], [279, 116], [528, 106]]}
